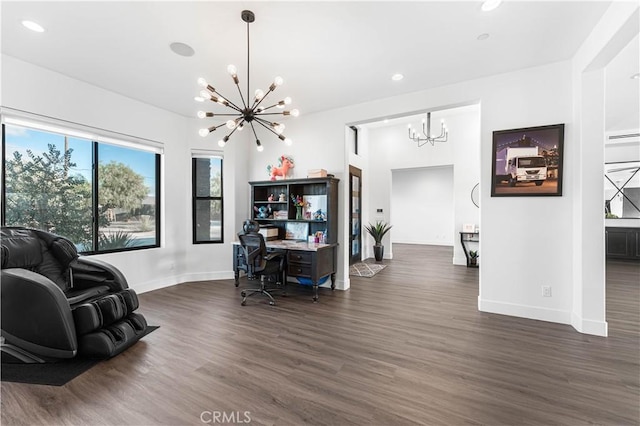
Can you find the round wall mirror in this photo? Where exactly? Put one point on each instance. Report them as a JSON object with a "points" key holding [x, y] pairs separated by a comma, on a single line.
{"points": [[475, 195]]}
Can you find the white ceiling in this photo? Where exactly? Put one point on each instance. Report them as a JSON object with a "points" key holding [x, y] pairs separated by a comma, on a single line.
{"points": [[330, 54]]}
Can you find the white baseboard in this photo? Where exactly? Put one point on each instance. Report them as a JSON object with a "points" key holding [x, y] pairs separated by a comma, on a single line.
{"points": [[524, 311], [207, 276], [597, 328], [181, 279]]}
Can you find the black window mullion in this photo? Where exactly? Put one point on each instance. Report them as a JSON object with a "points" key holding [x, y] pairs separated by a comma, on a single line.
{"points": [[94, 196]]}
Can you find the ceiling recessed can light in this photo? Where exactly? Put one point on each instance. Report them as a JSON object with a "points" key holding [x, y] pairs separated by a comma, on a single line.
{"points": [[489, 5], [483, 36], [397, 77], [181, 49], [33, 26]]}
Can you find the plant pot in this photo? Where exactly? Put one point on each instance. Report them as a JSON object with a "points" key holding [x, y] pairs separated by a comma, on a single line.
{"points": [[378, 252]]}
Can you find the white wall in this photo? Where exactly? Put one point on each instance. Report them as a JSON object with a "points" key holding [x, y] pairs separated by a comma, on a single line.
{"points": [[389, 149], [40, 91], [530, 97], [422, 206]]}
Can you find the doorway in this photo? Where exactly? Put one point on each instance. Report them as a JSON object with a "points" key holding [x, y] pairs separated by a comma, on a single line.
{"points": [[355, 219]]}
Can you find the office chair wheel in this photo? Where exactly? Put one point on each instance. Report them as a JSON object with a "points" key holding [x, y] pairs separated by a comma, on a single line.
{"points": [[243, 293], [243, 303], [272, 303]]}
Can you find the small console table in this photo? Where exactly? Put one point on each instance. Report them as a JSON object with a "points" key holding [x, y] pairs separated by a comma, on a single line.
{"points": [[465, 238], [304, 260]]}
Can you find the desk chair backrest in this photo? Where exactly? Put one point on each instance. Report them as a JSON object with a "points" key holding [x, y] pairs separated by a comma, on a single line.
{"points": [[255, 251]]}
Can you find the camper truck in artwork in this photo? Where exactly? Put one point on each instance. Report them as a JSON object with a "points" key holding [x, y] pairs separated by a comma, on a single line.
{"points": [[522, 165]]}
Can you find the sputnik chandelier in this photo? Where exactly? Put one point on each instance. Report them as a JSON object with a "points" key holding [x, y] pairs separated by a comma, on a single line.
{"points": [[428, 137], [251, 112]]}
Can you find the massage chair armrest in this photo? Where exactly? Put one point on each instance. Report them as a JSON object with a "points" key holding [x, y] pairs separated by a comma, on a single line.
{"points": [[36, 315], [90, 272]]}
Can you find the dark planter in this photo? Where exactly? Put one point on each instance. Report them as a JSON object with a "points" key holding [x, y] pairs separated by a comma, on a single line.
{"points": [[378, 252]]}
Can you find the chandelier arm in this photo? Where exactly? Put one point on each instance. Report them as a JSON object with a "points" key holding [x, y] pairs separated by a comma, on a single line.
{"points": [[267, 127], [232, 132], [271, 106], [229, 104], [269, 113], [244, 104], [258, 102], [254, 130]]}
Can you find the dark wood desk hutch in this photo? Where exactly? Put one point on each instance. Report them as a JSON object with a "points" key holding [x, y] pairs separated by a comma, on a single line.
{"points": [[313, 262], [261, 190]]}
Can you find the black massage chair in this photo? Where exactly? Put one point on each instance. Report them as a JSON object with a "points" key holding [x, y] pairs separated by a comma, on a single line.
{"points": [[57, 305]]}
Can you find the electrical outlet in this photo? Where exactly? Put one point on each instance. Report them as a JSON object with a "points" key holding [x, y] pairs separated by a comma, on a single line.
{"points": [[546, 291]]}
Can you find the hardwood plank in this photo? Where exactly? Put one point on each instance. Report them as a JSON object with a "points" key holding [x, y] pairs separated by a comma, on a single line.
{"points": [[405, 347]]}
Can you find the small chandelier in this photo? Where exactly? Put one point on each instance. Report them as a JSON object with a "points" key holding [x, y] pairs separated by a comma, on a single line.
{"points": [[428, 137], [251, 112]]}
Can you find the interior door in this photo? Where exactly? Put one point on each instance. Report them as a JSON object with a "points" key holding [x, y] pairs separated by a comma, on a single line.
{"points": [[355, 203]]}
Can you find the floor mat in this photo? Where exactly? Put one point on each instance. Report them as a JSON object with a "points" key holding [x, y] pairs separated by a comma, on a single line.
{"points": [[52, 374], [368, 270]]}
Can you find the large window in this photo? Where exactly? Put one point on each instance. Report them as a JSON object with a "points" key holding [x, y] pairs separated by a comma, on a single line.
{"points": [[101, 196], [207, 200]]}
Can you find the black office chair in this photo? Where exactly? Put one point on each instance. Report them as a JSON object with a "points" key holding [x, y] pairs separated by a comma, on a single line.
{"points": [[261, 264]]}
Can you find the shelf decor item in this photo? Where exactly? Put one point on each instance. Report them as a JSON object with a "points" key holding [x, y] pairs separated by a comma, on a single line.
{"points": [[285, 163], [378, 231], [299, 203], [473, 257]]}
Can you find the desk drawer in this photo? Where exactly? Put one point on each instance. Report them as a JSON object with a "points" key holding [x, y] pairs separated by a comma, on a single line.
{"points": [[299, 270], [296, 256]]}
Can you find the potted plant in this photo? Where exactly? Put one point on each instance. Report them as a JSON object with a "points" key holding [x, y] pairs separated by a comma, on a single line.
{"points": [[377, 231], [473, 257]]}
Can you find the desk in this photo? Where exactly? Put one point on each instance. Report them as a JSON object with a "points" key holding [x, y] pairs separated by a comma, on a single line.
{"points": [[304, 260]]}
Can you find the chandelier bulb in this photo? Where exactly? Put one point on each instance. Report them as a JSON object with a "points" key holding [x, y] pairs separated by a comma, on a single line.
{"points": [[205, 95], [202, 114], [278, 81], [222, 142], [259, 146], [231, 124], [409, 125], [203, 132], [259, 109], [259, 94], [295, 112], [240, 127], [202, 82], [232, 70], [287, 100], [288, 141]]}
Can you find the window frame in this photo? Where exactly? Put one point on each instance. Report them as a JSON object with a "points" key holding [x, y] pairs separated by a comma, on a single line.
{"points": [[96, 142], [195, 198]]}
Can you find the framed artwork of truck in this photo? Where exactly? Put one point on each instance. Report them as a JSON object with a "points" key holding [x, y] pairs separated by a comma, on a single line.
{"points": [[527, 162]]}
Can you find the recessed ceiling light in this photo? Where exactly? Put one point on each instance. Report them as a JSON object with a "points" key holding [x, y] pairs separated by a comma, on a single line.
{"points": [[33, 26], [181, 49], [635, 76], [397, 77], [489, 5], [483, 36], [198, 99]]}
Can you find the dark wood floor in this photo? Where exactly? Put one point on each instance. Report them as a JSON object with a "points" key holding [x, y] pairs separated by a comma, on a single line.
{"points": [[405, 347]]}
